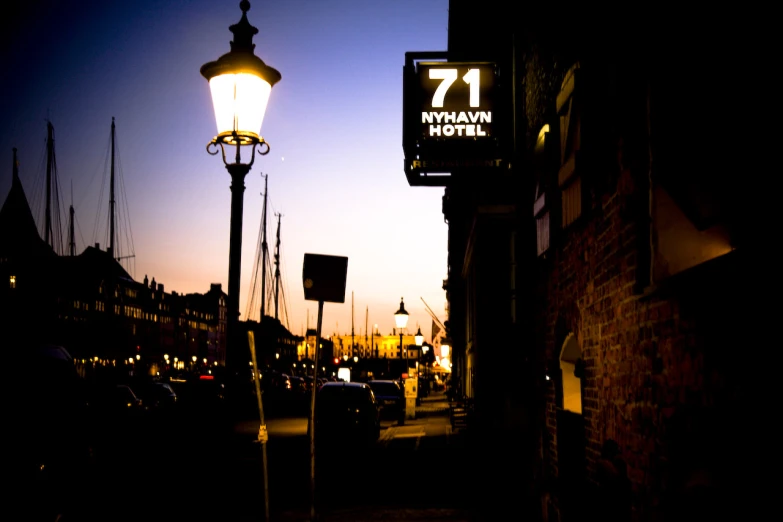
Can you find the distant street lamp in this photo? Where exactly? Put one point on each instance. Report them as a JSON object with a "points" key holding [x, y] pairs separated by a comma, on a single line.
{"points": [[425, 348], [401, 320], [240, 83], [419, 337], [419, 340]]}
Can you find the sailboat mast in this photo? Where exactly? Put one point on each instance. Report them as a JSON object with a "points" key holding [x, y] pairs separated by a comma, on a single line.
{"points": [[353, 346], [111, 194], [71, 236], [48, 235], [264, 252], [366, 321], [277, 265]]}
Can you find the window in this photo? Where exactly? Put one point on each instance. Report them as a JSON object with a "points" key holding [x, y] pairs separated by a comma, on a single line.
{"points": [[513, 277], [569, 114], [12, 281], [570, 358], [542, 170]]}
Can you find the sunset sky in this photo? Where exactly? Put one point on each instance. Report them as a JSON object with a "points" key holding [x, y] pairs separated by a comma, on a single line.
{"points": [[335, 170]]}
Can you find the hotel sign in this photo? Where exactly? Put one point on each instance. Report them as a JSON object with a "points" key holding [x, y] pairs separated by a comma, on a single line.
{"points": [[450, 119], [457, 100]]}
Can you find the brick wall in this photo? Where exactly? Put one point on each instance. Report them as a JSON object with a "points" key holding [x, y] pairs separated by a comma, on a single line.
{"points": [[662, 376]]}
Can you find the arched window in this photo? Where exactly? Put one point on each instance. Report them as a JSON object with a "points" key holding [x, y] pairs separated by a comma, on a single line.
{"points": [[570, 353]]}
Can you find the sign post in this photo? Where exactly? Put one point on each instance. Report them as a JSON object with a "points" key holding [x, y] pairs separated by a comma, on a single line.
{"points": [[262, 432], [323, 279]]}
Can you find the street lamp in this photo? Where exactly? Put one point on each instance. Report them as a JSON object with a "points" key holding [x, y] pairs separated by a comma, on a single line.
{"points": [[401, 320], [240, 83], [419, 340]]}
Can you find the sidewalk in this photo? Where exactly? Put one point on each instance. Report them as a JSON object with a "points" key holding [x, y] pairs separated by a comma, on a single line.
{"points": [[431, 421]]}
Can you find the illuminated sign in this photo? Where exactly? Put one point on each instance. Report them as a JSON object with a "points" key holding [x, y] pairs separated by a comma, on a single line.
{"points": [[344, 374], [452, 119], [456, 100]]}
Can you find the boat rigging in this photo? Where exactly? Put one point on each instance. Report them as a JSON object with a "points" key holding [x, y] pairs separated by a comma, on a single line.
{"points": [[259, 300], [118, 233], [49, 213]]}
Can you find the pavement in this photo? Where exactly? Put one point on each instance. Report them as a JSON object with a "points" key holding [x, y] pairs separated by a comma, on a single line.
{"points": [[431, 422], [191, 468]]}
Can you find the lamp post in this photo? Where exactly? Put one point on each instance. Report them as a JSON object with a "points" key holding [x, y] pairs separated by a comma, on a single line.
{"points": [[419, 340], [240, 83], [424, 350], [401, 320]]}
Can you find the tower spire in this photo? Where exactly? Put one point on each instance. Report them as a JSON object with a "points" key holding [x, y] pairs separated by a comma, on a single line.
{"points": [[15, 178]]}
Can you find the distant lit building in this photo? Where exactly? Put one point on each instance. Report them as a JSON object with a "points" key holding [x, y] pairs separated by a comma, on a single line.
{"points": [[376, 346], [276, 346]]}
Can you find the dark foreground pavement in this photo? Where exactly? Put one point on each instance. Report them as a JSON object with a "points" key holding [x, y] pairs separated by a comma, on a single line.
{"points": [[207, 467]]}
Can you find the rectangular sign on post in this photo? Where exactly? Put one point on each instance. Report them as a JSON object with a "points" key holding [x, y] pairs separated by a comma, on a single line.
{"points": [[451, 119], [323, 277]]}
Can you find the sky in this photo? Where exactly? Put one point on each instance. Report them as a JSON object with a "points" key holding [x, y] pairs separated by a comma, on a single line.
{"points": [[334, 172]]}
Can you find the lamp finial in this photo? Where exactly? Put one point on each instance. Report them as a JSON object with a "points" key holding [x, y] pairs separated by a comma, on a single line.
{"points": [[243, 31]]}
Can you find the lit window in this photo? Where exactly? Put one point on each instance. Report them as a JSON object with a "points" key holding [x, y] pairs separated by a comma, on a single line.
{"points": [[568, 178], [543, 172], [12, 281]]}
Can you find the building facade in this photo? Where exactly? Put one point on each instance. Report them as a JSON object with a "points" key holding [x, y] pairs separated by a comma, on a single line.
{"points": [[376, 346], [609, 268], [90, 305]]}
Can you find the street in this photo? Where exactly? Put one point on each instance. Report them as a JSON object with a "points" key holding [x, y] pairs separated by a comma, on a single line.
{"points": [[193, 468]]}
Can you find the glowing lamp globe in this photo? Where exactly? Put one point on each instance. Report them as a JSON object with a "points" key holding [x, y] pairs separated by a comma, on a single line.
{"points": [[401, 316], [240, 83], [419, 337]]}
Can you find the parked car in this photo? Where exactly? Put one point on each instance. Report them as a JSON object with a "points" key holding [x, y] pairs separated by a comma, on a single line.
{"points": [[346, 413], [156, 395], [48, 434], [390, 397]]}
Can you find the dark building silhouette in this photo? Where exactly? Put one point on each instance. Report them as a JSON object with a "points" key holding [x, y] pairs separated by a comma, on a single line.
{"points": [[91, 306], [599, 289]]}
